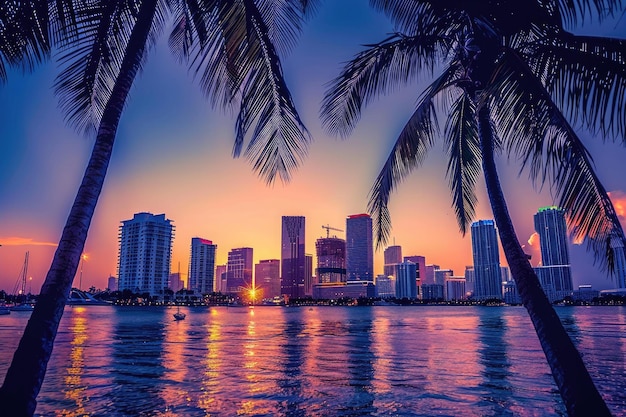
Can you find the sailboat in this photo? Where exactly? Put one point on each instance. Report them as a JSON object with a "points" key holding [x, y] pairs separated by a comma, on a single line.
{"points": [[21, 284], [179, 315]]}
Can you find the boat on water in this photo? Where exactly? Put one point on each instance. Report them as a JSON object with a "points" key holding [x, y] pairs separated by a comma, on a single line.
{"points": [[22, 307], [4, 310], [179, 315], [20, 290]]}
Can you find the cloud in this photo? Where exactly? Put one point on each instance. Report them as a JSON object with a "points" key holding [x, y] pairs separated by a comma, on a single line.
{"points": [[618, 198], [533, 240], [23, 241]]}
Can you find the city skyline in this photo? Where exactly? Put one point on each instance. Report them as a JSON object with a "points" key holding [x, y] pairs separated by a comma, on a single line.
{"points": [[173, 156]]}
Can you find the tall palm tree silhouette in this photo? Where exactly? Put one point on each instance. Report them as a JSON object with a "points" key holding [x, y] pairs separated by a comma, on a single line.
{"points": [[233, 47], [511, 77]]}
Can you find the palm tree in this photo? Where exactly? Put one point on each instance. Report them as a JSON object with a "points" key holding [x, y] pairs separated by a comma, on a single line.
{"points": [[511, 79], [232, 45], [23, 38]]}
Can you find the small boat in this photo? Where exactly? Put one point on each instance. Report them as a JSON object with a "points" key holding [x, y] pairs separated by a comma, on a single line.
{"points": [[20, 290], [179, 315], [4, 310], [22, 307]]}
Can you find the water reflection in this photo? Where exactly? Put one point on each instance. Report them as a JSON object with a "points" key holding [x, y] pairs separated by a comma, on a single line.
{"points": [[323, 361], [137, 362], [178, 338], [360, 363], [74, 387], [211, 366], [493, 358], [290, 382]]}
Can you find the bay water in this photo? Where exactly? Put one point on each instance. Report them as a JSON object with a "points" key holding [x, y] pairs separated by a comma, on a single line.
{"points": [[316, 361]]}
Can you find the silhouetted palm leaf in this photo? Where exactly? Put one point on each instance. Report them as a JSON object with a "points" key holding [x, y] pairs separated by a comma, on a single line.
{"points": [[533, 127], [409, 151], [92, 59], [377, 70], [24, 35], [464, 163], [586, 76]]}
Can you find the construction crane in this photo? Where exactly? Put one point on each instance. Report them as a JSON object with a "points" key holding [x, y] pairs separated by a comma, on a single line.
{"points": [[328, 229]]}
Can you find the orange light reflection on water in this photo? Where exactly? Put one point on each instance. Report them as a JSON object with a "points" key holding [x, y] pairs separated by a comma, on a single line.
{"points": [[74, 388], [212, 365], [174, 359]]}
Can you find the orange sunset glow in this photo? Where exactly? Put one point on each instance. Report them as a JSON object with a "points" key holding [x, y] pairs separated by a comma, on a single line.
{"points": [[173, 156]]}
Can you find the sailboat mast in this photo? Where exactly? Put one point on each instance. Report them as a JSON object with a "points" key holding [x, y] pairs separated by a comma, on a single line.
{"points": [[25, 273]]}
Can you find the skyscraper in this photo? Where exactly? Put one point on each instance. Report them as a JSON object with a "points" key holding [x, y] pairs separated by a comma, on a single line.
{"points": [[308, 275], [391, 256], [144, 253], [292, 256], [267, 278], [220, 278], [359, 248], [239, 270], [420, 263], [331, 260], [202, 266], [406, 285], [555, 272], [487, 275]]}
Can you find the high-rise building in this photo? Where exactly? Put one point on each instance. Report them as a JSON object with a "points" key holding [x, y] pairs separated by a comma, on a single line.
{"points": [[455, 289], [220, 277], [487, 274], [331, 260], [308, 275], [470, 279], [420, 263], [239, 270], [555, 272], [145, 253], [112, 284], [267, 278], [202, 266], [292, 256], [429, 274], [406, 284], [385, 286], [391, 256], [359, 248], [176, 282]]}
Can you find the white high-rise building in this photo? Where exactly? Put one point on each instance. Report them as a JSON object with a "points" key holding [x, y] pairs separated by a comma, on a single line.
{"points": [[202, 266], [144, 253]]}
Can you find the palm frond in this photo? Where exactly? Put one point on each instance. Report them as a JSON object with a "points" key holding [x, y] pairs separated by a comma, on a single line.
{"points": [[586, 76], [191, 26], [284, 20], [280, 140], [533, 127], [464, 163], [409, 151], [91, 59], [575, 12], [407, 15], [239, 62], [24, 34], [375, 71]]}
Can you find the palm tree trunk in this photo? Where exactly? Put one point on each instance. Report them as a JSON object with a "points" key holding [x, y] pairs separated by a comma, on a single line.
{"points": [[18, 395], [577, 389]]}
